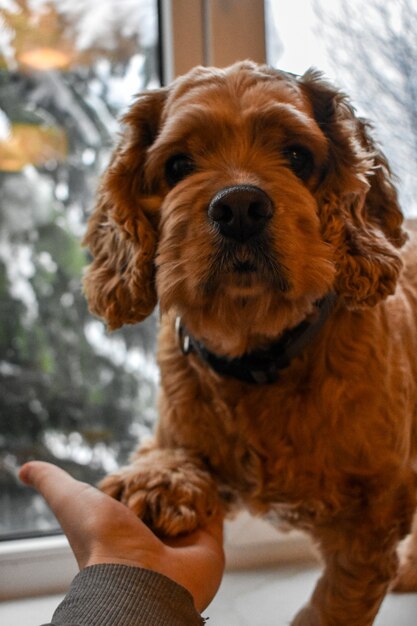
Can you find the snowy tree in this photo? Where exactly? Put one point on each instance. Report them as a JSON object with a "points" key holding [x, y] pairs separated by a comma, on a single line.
{"points": [[373, 46], [69, 392]]}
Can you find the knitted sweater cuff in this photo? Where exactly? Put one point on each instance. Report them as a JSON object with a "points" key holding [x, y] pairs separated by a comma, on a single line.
{"points": [[112, 594]]}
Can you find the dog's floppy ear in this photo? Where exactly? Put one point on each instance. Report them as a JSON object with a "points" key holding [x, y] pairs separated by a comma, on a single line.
{"points": [[360, 213], [122, 231]]}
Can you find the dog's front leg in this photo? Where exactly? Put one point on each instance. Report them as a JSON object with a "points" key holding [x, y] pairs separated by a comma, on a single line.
{"points": [[170, 489], [360, 558], [354, 582]]}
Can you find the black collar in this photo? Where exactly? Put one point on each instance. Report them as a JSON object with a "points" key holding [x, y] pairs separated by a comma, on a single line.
{"points": [[261, 366]]}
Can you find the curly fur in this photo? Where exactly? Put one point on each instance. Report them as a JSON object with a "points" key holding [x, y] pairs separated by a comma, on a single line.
{"points": [[331, 447]]}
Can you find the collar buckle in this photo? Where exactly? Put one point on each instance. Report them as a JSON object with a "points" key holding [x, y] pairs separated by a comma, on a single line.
{"points": [[183, 338]]}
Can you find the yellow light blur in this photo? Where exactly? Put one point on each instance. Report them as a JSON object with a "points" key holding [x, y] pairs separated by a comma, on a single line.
{"points": [[45, 59], [30, 144]]}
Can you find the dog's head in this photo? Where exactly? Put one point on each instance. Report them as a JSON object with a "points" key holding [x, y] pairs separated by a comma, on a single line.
{"points": [[238, 198]]}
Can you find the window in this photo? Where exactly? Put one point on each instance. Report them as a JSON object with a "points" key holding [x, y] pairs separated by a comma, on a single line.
{"points": [[69, 392], [369, 50]]}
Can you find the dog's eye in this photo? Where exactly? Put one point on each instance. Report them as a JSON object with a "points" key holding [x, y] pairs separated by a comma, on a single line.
{"points": [[300, 161], [177, 167]]}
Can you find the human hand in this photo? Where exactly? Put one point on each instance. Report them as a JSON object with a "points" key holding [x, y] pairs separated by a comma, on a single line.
{"points": [[102, 530]]}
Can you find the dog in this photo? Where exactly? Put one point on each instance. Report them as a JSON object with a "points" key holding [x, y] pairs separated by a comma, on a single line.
{"points": [[255, 207]]}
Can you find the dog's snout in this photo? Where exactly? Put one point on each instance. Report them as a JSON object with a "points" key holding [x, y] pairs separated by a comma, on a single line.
{"points": [[240, 212]]}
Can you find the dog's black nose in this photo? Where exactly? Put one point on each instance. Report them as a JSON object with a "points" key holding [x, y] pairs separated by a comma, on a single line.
{"points": [[240, 212]]}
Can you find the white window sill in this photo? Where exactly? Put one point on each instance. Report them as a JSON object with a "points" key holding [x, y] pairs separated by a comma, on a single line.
{"points": [[252, 542], [31, 567]]}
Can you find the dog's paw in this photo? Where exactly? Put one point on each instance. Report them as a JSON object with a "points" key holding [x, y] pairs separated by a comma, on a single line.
{"points": [[169, 492]]}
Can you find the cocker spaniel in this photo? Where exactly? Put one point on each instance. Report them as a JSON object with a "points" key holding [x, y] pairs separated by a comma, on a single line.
{"points": [[254, 206]]}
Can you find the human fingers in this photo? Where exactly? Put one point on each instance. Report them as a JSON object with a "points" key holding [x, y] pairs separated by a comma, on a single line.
{"points": [[210, 536], [54, 484], [66, 496], [91, 519], [74, 503], [197, 561]]}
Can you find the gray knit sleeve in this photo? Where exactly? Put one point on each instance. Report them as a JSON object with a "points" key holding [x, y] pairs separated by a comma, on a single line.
{"points": [[119, 595]]}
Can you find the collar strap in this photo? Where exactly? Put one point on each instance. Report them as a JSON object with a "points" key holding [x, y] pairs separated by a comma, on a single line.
{"points": [[261, 366]]}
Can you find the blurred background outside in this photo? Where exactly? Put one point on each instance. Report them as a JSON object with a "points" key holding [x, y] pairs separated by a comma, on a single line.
{"points": [[71, 393]]}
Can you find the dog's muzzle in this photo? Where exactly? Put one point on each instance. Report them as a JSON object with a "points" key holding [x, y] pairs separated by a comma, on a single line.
{"points": [[240, 212]]}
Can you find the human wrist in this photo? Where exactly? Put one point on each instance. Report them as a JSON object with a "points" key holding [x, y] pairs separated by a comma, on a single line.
{"points": [[146, 560], [98, 597]]}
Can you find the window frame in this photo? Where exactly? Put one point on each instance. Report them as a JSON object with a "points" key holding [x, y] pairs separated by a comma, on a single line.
{"points": [[193, 32]]}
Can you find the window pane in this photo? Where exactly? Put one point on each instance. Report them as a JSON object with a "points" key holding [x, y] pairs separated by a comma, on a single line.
{"points": [[69, 392], [369, 49]]}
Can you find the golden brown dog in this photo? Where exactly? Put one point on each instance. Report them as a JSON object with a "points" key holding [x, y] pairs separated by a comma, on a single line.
{"points": [[255, 207]]}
